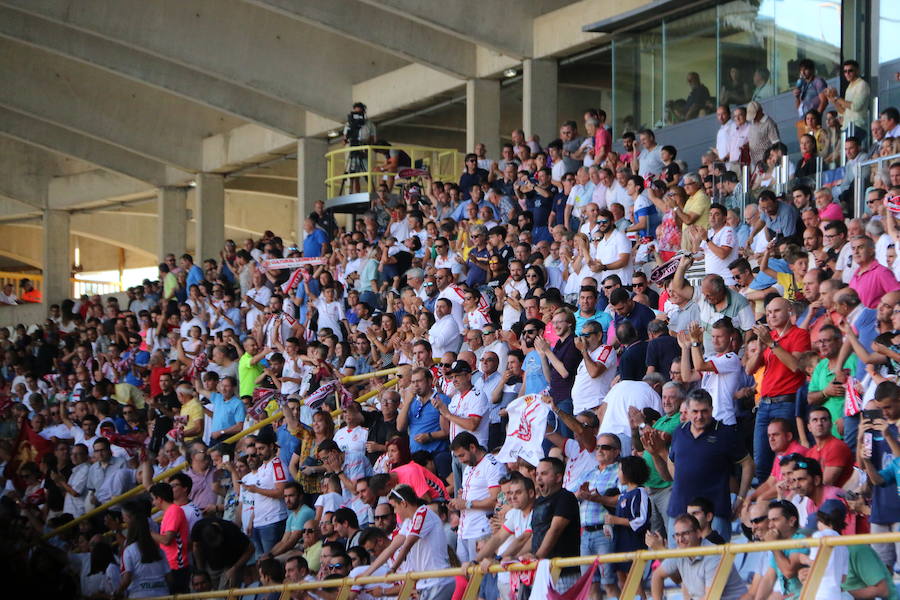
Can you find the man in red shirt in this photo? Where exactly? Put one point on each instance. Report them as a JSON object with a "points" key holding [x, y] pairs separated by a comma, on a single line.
{"points": [[174, 537], [782, 442], [833, 454], [783, 343]]}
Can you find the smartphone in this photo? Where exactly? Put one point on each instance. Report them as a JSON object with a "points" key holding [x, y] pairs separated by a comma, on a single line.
{"points": [[875, 413], [226, 458]]}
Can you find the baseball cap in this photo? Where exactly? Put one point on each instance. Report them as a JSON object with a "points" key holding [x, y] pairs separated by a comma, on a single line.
{"points": [[460, 366]]}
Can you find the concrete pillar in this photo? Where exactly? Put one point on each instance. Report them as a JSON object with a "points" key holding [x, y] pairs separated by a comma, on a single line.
{"points": [[483, 115], [172, 224], [310, 180], [210, 216], [57, 257], [540, 99]]}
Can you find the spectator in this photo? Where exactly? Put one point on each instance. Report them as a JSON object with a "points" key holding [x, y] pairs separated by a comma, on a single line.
{"points": [[871, 280], [696, 209], [145, 568], [784, 565], [478, 494], [811, 493], [718, 373], [647, 161], [761, 134]]}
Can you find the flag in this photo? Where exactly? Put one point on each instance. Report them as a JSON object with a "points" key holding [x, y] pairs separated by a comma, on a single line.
{"points": [[29, 447], [852, 399], [525, 430], [543, 587]]}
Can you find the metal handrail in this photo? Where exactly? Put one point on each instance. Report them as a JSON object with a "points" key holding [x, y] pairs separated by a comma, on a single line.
{"points": [[858, 200], [138, 489], [638, 560], [443, 163]]}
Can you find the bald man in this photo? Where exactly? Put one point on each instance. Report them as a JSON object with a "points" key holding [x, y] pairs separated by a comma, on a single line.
{"points": [[781, 344]]}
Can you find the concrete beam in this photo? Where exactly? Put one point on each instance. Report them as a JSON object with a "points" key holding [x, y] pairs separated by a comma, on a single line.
{"points": [[310, 179], [94, 187], [540, 98], [72, 95], [266, 187], [382, 30], [57, 257], [245, 144], [496, 25], [210, 216], [243, 44], [171, 226], [483, 115], [10, 209], [145, 68], [24, 172], [57, 139], [410, 85]]}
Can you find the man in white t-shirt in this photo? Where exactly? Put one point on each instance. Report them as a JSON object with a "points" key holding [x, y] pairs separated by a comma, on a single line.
{"points": [[718, 243], [596, 370], [612, 253], [331, 312], [719, 373], [267, 483], [477, 496], [620, 398], [513, 291], [579, 453], [468, 410]]}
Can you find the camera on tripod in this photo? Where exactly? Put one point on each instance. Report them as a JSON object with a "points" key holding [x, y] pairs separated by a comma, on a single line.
{"points": [[355, 122]]}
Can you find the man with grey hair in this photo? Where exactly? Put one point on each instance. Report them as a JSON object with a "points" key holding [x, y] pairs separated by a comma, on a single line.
{"points": [[871, 280], [415, 277], [875, 231], [477, 262], [696, 209]]}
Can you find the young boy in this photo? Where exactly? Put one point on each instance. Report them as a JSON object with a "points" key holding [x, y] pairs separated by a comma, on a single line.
{"points": [[798, 263]]}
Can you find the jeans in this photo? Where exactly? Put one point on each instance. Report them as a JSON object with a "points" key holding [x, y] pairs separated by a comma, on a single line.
{"points": [[442, 591], [851, 428], [442, 463], [465, 549], [596, 542], [659, 500], [458, 469], [266, 536], [888, 553], [762, 453]]}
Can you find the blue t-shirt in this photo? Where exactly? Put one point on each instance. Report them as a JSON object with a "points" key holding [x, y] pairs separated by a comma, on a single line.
{"points": [[194, 276], [425, 418], [891, 476], [226, 413], [287, 443], [703, 467], [885, 498], [601, 317], [644, 207], [312, 245], [540, 206], [559, 209], [476, 275], [534, 373], [640, 317], [141, 359]]}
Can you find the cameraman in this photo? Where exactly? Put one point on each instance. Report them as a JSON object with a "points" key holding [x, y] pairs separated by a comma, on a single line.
{"points": [[358, 131]]}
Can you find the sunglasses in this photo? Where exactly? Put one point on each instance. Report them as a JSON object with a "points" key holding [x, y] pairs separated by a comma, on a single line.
{"points": [[529, 331], [759, 520], [335, 566], [312, 530], [382, 517], [445, 365], [603, 221], [607, 447]]}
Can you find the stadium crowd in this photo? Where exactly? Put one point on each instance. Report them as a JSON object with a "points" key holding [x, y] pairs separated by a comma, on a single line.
{"points": [[551, 287]]}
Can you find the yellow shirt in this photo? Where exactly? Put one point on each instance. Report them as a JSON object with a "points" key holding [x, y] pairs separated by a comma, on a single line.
{"points": [[698, 204], [194, 412], [791, 288]]}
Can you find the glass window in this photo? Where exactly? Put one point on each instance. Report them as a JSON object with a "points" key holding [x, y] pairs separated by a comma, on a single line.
{"points": [[888, 52], [690, 66], [638, 81]]}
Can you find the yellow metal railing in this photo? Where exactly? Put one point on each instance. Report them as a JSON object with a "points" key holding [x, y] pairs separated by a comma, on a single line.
{"points": [[79, 286], [444, 164], [137, 490], [638, 561]]}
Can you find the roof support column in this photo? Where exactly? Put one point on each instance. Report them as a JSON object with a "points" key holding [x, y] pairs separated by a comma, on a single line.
{"points": [[57, 257], [483, 115], [210, 216], [310, 180], [172, 224], [540, 99]]}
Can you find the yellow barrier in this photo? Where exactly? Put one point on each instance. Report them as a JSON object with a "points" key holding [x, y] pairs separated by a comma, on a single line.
{"points": [[444, 164], [638, 560], [137, 490]]}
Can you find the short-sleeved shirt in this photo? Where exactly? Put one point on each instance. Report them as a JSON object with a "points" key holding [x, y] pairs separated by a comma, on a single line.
{"points": [[703, 466], [477, 483], [722, 383], [560, 504], [778, 380], [421, 480], [147, 579], [588, 392], [193, 410], [885, 498], [873, 283], [633, 362], [667, 424], [785, 220], [640, 316], [698, 204], [790, 586], [834, 453], [866, 568], [821, 378], [267, 511], [697, 574], [178, 550], [312, 244], [226, 413], [661, 352], [425, 418], [793, 448], [471, 404], [534, 373]]}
